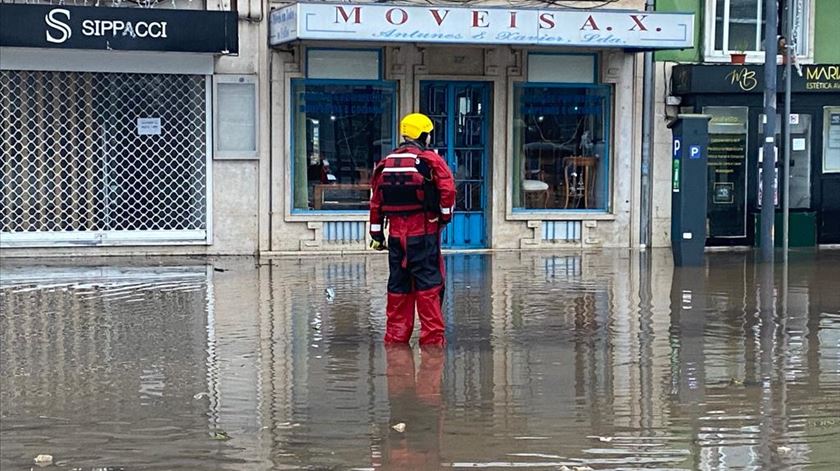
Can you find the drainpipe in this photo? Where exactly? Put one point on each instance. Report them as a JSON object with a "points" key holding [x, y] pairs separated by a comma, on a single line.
{"points": [[648, 88]]}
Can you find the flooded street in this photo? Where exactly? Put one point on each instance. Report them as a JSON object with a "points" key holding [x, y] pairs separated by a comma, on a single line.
{"points": [[612, 360]]}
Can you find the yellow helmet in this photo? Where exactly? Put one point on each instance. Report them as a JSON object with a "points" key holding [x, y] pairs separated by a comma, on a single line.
{"points": [[415, 124]]}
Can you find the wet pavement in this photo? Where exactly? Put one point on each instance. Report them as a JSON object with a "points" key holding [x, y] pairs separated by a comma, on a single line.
{"points": [[611, 360]]}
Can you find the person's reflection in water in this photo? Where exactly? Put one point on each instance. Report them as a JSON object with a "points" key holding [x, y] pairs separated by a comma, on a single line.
{"points": [[415, 400]]}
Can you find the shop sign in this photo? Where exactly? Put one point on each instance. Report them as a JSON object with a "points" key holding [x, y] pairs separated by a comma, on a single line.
{"points": [[134, 29], [482, 25], [823, 77], [688, 79]]}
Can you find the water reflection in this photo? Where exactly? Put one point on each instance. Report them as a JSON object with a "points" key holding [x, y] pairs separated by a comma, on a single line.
{"points": [[612, 360]]}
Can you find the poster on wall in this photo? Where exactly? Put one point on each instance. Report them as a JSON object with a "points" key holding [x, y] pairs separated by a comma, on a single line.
{"points": [[727, 172]]}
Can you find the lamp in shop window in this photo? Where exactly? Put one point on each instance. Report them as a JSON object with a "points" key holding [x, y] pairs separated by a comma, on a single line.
{"points": [[586, 144]]}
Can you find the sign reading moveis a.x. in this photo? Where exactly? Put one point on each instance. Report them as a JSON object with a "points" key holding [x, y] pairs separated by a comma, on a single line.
{"points": [[482, 25]]}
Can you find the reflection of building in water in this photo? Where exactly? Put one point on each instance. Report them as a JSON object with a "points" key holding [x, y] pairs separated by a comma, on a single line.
{"points": [[567, 351], [748, 362], [319, 363], [540, 345], [518, 360], [75, 340], [707, 364]]}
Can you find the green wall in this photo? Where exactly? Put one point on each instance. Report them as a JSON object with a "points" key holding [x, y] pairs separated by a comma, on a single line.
{"points": [[827, 19], [684, 55], [826, 15]]}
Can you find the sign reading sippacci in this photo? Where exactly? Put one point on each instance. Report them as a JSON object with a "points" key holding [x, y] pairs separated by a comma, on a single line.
{"points": [[132, 29]]}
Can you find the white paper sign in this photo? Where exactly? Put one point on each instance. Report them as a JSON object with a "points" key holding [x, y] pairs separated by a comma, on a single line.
{"points": [[798, 143], [482, 25], [148, 126]]}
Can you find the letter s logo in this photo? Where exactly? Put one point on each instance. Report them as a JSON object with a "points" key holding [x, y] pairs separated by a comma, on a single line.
{"points": [[61, 26]]}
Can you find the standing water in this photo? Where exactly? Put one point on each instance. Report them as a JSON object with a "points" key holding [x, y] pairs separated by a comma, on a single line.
{"points": [[613, 360]]}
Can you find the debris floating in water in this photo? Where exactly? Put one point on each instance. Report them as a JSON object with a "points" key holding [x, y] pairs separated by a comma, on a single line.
{"points": [[330, 294], [43, 460], [200, 395], [400, 427], [220, 435]]}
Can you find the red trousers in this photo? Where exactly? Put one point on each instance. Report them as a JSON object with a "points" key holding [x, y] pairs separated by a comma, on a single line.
{"points": [[415, 283]]}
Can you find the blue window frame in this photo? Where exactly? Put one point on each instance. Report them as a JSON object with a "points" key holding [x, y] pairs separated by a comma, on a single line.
{"points": [[340, 130], [561, 136]]}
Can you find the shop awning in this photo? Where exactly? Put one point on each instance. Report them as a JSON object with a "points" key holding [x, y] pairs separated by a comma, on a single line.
{"points": [[481, 25]]}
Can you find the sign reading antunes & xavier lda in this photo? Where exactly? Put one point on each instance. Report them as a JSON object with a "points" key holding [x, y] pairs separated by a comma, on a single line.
{"points": [[132, 29], [481, 25]]}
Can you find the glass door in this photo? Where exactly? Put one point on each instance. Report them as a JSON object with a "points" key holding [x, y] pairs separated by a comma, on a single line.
{"points": [[460, 111]]}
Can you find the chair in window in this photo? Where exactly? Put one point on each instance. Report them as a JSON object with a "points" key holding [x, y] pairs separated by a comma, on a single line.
{"points": [[534, 183], [579, 176]]}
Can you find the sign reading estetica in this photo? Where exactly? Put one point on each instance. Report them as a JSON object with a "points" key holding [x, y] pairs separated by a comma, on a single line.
{"points": [[138, 29], [480, 25]]}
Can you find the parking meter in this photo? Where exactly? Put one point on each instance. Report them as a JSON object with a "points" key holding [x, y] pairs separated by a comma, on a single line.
{"points": [[688, 187]]}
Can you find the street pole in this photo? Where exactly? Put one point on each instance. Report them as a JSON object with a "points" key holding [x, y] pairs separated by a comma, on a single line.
{"points": [[648, 85], [768, 164], [789, 55]]}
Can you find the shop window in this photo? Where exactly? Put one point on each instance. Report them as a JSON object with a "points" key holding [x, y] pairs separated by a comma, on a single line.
{"points": [[561, 68], [340, 130], [236, 117], [561, 155], [727, 171], [93, 157], [351, 64], [831, 139], [738, 26]]}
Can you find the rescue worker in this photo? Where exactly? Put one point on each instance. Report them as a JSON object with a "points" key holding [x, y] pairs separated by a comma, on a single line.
{"points": [[413, 189]]}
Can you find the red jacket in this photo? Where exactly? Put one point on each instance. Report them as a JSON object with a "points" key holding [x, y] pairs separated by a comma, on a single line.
{"points": [[416, 224]]}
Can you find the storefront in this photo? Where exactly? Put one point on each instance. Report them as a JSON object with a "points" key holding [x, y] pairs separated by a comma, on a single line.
{"points": [[107, 124], [732, 95], [534, 110]]}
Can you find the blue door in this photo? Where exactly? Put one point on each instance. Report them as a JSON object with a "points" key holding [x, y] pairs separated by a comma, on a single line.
{"points": [[461, 113]]}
